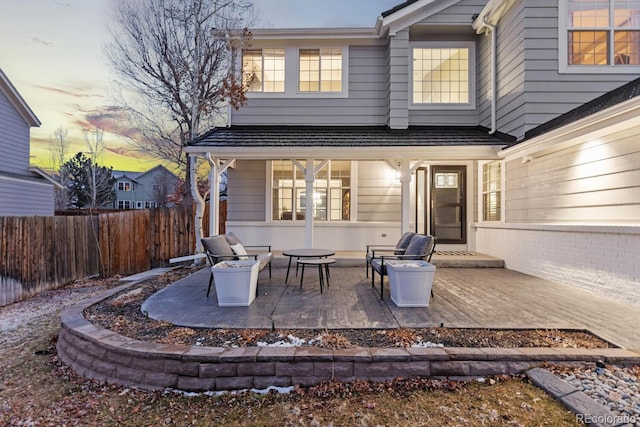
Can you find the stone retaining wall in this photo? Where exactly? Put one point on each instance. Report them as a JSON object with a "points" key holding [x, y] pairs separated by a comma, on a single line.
{"points": [[101, 354]]}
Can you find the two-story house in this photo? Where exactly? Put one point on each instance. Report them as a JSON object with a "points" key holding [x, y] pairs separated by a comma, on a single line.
{"points": [[24, 190], [143, 190], [507, 127]]}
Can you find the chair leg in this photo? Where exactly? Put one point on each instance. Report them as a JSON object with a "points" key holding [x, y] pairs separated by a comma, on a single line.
{"points": [[210, 281], [381, 286], [366, 267], [269, 269]]}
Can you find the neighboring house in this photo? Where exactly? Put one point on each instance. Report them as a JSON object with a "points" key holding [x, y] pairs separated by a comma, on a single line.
{"points": [[508, 127], [24, 191], [143, 190]]}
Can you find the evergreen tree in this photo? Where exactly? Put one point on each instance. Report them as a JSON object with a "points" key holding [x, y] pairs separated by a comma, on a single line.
{"points": [[82, 177]]}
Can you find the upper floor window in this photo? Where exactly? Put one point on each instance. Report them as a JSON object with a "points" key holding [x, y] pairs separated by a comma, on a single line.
{"points": [[600, 33], [442, 75], [320, 70], [263, 70], [125, 186]]}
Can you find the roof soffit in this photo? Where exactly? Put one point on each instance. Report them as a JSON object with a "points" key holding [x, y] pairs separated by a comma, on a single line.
{"points": [[412, 14]]}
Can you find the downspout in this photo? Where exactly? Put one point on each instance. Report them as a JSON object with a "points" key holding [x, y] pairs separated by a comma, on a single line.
{"points": [[494, 91]]}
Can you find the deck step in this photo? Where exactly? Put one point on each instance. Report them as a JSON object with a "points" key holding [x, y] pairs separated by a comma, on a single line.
{"points": [[442, 259]]}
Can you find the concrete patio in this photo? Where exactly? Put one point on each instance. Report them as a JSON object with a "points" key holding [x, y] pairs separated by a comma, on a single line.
{"points": [[464, 297]]}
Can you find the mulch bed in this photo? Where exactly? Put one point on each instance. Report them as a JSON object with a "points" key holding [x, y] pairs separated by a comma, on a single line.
{"points": [[122, 314]]}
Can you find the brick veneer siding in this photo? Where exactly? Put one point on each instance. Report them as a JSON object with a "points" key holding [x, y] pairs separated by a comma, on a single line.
{"points": [[101, 354]]}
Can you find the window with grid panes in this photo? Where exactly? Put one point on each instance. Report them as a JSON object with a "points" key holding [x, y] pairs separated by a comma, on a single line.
{"points": [[320, 70], [263, 70], [491, 191], [331, 192], [441, 75], [602, 32]]}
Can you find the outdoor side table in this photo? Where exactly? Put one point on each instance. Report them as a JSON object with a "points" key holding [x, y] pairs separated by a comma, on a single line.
{"points": [[320, 262], [305, 253]]}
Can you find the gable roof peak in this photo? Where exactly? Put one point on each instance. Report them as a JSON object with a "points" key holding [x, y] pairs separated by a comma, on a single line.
{"points": [[410, 12], [17, 101]]}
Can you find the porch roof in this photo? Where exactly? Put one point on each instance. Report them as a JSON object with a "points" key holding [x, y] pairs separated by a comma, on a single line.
{"points": [[349, 141]]}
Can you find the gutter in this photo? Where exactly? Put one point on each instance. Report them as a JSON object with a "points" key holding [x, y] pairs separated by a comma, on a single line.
{"points": [[494, 91]]}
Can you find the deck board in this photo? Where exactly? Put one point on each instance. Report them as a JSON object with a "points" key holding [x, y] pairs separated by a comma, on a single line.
{"points": [[464, 297]]}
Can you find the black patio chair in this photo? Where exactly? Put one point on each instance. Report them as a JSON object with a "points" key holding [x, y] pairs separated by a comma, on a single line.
{"points": [[228, 247], [421, 247], [398, 249]]}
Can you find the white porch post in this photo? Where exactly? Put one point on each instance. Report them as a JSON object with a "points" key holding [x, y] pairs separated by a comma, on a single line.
{"points": [[405, 188], [406, 169], [309, 179], [214, 197], [216, 169]]}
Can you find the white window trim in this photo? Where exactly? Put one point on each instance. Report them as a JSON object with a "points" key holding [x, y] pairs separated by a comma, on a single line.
{"points": [[263, 92], [269, 198], [472, 76], [480, 194], [291, 70], [563, 52]]}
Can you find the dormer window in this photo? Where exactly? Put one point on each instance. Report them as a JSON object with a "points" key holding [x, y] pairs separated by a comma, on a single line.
{"points": [[599, 34], [442, 75], [320, 70], [263, 70]]}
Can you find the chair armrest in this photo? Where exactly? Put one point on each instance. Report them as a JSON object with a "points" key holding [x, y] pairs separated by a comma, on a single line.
{"points": [[384, 251], [268, 247], [381, 247]]}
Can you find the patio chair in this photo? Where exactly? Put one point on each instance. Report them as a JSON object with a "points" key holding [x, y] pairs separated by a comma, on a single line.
{"points": [[398, 249], [421, 247], [229, 247]]}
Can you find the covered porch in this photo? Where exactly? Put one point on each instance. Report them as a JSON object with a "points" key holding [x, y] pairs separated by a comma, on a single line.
{"points": [[493, 298], [382, 192]]}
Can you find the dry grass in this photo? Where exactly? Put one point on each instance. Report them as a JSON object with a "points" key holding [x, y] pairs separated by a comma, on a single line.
{"points": [[37, 390]]}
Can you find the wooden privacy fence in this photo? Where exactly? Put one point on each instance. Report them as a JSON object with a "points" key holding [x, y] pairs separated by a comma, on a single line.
{"points": [[39, 253]]}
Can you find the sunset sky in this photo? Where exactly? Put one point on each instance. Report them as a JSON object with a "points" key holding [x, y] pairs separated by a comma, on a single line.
{"points": [[51, 50]]}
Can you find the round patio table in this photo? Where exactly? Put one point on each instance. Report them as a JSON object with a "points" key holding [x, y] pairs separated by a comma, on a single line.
{"points": [[305, 253]]}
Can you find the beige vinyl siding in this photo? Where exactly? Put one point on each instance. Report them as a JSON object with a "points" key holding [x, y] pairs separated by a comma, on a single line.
{"points": [[531, 91], [378, 200], [14, 139], [592, 182], [246, 191], [366, 103], [399, 54]]}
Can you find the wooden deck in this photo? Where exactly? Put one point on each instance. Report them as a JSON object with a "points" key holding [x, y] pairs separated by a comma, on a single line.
{"points": [[464, 297]]}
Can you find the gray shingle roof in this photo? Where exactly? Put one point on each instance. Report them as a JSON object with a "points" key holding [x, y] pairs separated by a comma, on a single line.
{"points": [[609, 99], [348, 136]]}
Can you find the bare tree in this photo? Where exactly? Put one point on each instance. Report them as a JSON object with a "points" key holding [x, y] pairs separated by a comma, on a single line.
{"points": [[94, 140], [58, 148], [175, 58]]}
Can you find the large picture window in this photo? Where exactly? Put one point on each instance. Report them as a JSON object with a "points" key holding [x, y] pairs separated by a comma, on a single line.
{"points": [[442, 75], [491, 191], [263, 70], [320, 70], [601, 32], [331, 192]]}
